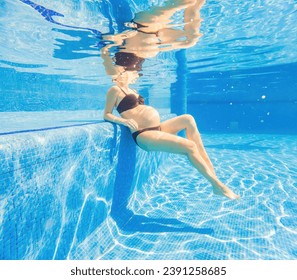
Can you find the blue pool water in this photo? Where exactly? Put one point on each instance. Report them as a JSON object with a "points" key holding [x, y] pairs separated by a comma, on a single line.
{"points": [[73, 186]]}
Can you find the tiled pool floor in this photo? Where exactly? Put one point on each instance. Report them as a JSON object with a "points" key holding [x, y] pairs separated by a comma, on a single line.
{"points": [[178, 217]]}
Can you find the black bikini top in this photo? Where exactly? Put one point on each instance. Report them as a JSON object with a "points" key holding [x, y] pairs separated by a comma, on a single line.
{"points": [[130, 101]]}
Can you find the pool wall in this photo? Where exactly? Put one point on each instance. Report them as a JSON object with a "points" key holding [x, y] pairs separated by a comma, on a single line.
{"points": [[59, 185]]}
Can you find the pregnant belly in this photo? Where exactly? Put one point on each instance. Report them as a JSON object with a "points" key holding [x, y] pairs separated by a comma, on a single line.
{"points": [[145, 116]]}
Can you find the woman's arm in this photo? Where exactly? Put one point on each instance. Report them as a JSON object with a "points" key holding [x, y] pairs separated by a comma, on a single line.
{"points": [[118, 39], [111, 98], [109, 66], [110, 103]]}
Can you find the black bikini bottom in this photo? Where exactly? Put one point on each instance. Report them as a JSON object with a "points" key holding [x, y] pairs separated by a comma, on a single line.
{"points": [[139, 25], [136, 133]]}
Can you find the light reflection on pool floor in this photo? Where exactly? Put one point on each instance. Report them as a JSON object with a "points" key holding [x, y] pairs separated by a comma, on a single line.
{"points": [[261, 225]]}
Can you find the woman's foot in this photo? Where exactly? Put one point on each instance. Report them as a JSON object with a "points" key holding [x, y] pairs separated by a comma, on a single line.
{"points": [[223, 190]]}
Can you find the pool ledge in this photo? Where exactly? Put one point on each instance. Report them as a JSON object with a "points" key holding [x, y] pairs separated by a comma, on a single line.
{"points": [[58, 181]]}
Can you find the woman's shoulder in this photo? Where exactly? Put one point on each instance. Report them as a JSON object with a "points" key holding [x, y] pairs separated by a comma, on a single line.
{"points": [[114, 90]]}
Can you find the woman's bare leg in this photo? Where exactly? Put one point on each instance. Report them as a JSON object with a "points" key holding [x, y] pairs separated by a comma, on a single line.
{"points": [[166, 142], [187, 122], [162, 14]]}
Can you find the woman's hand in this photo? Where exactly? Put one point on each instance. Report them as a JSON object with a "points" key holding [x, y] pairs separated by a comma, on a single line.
{"points": [[130, 123], [115, 39]]}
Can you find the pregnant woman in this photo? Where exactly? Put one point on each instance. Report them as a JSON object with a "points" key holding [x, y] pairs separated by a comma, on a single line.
{"points": [[152, 135]]}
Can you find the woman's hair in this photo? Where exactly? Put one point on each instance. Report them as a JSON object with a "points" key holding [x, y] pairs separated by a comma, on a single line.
{"points": [[129, 61]]}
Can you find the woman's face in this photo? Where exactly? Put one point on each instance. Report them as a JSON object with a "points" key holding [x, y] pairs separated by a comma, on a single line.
{"points": [[121, 78], [132, 76]]}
